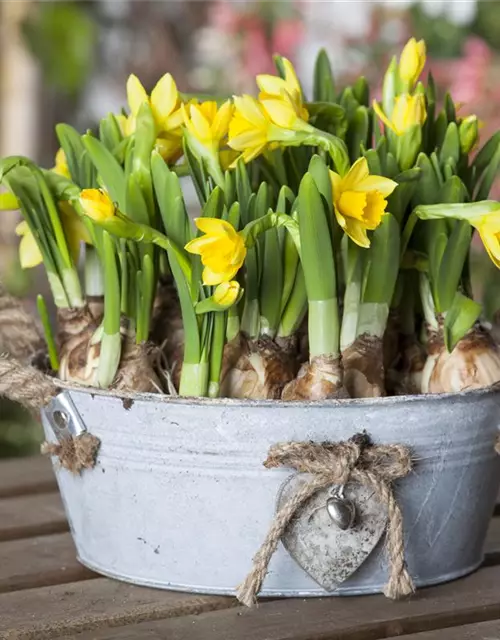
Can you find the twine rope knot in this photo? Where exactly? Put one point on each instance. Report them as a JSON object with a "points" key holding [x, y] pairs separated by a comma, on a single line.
{"points": [[337, 463]]}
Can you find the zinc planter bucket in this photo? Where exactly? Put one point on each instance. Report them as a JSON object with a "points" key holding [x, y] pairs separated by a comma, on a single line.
{"points": [[179, 498]]}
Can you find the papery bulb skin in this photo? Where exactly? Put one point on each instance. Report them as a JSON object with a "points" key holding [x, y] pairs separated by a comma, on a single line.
{"points": [[260, 371], [136, 372], [473, 364], [406, 377], [318, 379], [78, 356], [363, 365]]}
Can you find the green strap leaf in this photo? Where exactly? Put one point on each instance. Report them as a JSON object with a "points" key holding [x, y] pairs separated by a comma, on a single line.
{"points": [[324, 83], [108, 168], [461, 317]]}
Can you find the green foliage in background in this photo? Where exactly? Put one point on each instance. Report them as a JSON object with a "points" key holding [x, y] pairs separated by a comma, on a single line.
{"points": [[487, 22], [62, 36], [443, 38]]}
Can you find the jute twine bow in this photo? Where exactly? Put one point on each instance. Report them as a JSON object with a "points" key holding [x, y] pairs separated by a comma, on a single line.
{"points": [[375, 466], [30, 387]]}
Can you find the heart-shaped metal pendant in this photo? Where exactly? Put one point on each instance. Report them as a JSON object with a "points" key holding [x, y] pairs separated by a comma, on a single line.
{"points": [[315, 539], [342, 512]]}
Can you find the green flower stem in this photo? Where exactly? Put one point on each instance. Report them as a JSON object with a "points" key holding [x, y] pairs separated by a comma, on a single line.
{"points": [[58, 291], [372, 319], [146, 291], [94, 277], [323, 328], [271, 284], [216, 353], [353, 263], [319, 271], [233, 323], [194, 380], [49, 334], [428, 302], [296, 307], [111, 339], [73, 288], [334, 146]]}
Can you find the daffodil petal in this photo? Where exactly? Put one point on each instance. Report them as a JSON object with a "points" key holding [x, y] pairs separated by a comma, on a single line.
{"points": [[356, 174], [491, 244], [281, 113], [220, 123], [382, 116], [336, 181], [291, 77], [272, 85], [357, 232], [200, 125], [213, 278], [385, 186], [29, 253], [136, 94], [251, 110], [214, 226], [164, 98]]}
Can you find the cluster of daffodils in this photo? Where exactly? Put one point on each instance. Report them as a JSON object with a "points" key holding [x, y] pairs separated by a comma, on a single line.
{"points": [[329, 256]]}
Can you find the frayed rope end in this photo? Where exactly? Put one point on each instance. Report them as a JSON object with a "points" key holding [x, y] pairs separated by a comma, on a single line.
{"points": [[75, 454]]}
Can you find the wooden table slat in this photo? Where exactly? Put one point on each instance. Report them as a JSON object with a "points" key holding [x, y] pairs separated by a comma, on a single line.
{"points": [[51, 612], [39, 562], [472, 599], [24, 476], [29, 516], [481, 631]]}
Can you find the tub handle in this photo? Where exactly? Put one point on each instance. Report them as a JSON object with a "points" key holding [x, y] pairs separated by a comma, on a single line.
{"points": [[65, 421], [76, 448]]}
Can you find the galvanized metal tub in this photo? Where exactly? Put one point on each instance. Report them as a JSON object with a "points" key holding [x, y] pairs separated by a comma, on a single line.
{"points": [[179, 498]]}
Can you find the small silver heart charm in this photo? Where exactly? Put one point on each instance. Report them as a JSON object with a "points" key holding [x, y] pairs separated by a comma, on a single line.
{"points": [[342, 511]]}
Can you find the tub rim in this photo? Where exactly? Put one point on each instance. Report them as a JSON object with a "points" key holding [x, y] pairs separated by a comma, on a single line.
{"points": [[365, 403]]}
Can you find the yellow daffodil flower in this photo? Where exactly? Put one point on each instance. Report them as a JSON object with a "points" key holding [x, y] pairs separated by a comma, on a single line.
{"points": [[275, 87], [483, 216], [227, 293], [75, 233], [412, 62], [257, 125], [61, 166], [408, 111], [222, 250], [208, 124], [488, 227], [165, 104], [29, 253], [360, 200], [97, 204]]}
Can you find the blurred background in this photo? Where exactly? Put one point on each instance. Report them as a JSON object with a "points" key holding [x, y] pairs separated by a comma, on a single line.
{"points": [[68, 61]]}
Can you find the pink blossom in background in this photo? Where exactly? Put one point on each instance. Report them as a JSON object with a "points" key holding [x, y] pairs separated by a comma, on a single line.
{"points": [[257, 56], [287, 35]]}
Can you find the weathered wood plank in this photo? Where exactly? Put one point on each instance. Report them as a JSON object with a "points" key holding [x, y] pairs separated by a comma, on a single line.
{"points": [[492, 546], [481, 631], [29, 516], [23, 476], [467, 601], [39, 562], [50, 612]]}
